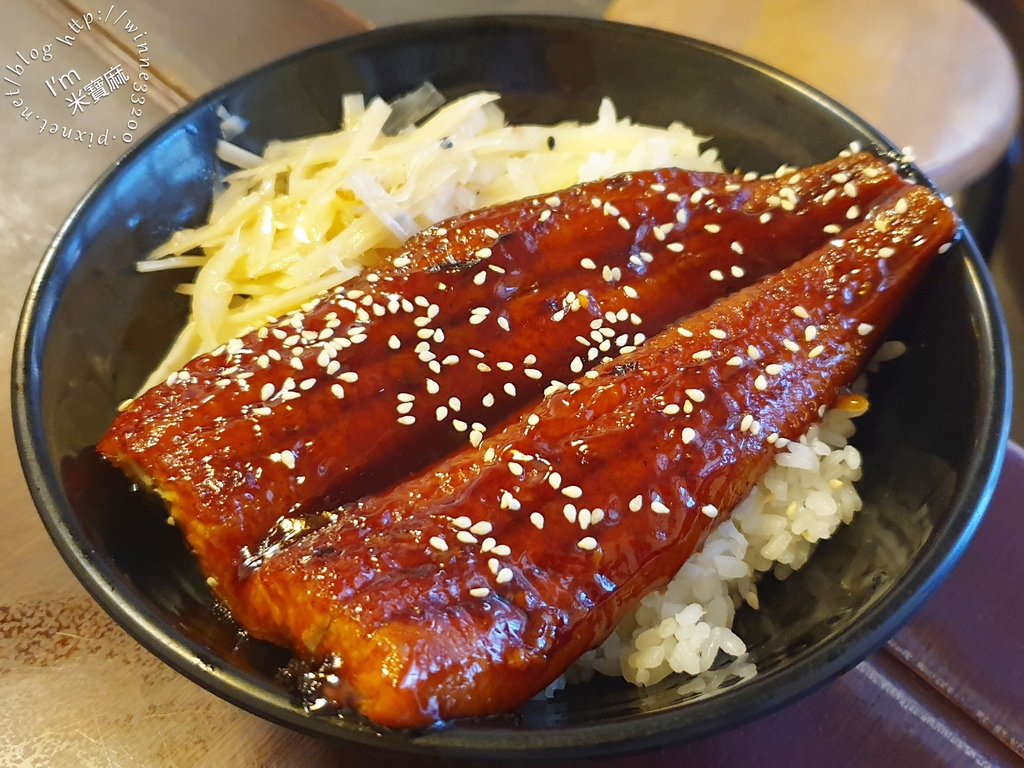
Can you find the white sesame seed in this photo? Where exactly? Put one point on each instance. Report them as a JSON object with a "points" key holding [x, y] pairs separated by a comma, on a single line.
{"points": [[569, 512], [587, 543], [515, 468], [636, 503], [491, 233], [432, 387], [545, 215], [670, 410], [773, 369], [901, 206], [267, 391], [576, 366], [710, 510], [555, 480], [338, 391], [450, 360], [538, 520], [688, 435], [572, 491], [885, 253], [760, 383], [583, 519], [466, 537], [734, 360], [503, 322], [716, 275], [659, 508], [810, 333], [746, 422], [718, 333], [800, 312], [712, 228], [791, 345], [502, 550], [675, 247], [623, 222], [704, 354], [438, 543], [765, 217], [554, 201], [816, 351], [864, 329], [510, 388], [832, 229], [695, 394], [441, 412], [684, 332], [481, 528], [852, 212], [479, 592], [504, 576], [406, 420]]}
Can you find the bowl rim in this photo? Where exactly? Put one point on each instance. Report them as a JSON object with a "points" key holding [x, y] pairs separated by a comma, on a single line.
{"points": [[763, 694]]}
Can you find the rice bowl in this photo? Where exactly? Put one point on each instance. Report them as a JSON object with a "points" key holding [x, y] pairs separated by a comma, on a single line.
{"points": [[162, 608]]}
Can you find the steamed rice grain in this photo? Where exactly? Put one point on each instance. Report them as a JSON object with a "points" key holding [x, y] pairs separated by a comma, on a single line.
{"points": [[686, 627]]}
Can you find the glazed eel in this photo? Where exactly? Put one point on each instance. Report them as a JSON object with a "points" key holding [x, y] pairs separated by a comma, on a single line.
{"points": [[469, 587], [469, 321]]}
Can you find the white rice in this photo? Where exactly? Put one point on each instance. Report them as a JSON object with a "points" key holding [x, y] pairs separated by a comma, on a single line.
{"points": [[686, 628]]}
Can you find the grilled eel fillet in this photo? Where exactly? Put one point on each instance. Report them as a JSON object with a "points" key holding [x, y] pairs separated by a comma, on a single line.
{"points": [[468, 588], [471, 320]]}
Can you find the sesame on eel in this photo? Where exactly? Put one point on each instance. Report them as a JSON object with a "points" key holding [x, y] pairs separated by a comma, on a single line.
{"points": [[469, 321], [468, 588]]}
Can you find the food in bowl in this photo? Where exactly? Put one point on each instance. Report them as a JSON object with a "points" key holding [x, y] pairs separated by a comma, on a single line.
{"points": [[203, 399]]}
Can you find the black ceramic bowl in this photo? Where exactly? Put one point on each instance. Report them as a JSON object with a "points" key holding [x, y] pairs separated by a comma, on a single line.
{"points": [[92, 327]]}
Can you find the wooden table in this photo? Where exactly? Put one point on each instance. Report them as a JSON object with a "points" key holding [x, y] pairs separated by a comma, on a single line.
{"points": [[934, 75], [77, 691]]}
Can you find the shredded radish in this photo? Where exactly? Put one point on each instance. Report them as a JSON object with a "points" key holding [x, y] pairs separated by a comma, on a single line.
{"points": [[312, 212]]}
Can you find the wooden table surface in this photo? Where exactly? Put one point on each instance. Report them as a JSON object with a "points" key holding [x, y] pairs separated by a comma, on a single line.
{"points": [[934, 75], [76, 690]]}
